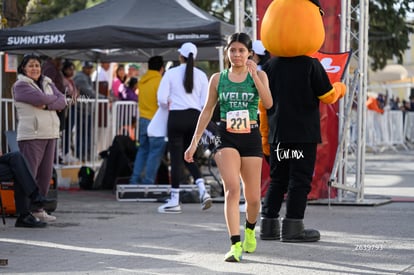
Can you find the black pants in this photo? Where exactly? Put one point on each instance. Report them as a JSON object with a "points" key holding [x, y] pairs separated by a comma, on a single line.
{"points": [[291, 170], [13, 166], [181, 126]]}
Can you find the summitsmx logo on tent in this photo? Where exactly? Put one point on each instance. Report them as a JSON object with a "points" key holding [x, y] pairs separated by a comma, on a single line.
{"points": [[173, 36], [36, 39]]}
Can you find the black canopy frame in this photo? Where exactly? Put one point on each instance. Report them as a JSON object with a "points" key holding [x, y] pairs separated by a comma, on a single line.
{"points": [[122, 31]]}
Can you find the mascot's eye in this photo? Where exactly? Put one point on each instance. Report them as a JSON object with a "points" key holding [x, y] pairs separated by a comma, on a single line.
{"points": [[321, 12]]}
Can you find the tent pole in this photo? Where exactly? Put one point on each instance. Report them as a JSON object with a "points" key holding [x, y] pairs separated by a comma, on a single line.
{"points": [[237, 16], [254, 20], [96, 121], [221, 58]]}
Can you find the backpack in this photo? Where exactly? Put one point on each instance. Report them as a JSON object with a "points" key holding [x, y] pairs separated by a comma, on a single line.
{"points": [[120, 161], [86, 176]]}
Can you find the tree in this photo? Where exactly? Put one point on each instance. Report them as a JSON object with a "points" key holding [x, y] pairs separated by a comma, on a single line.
{"points": [[13, 14], [42, 10], [221, 9], [389, 31], [388, 34], [388, 27]]}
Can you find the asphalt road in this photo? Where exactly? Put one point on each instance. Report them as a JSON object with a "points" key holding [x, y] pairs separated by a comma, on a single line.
{"points": [[95, 234]]}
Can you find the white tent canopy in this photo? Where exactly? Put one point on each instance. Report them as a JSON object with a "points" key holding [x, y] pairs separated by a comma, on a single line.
{"points": [[392, 72]]}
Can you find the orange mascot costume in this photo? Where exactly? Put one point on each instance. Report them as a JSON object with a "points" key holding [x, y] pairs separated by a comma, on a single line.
{"points": [[292, 30]]}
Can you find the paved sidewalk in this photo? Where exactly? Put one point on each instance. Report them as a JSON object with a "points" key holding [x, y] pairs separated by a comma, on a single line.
{"points": [[95, 234]]}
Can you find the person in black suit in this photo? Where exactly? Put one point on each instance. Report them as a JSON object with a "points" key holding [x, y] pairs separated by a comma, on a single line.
{"points": [[13, 166]]}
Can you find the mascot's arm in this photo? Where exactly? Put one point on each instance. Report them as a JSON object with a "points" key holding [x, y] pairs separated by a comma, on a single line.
{"points": [[264, 129], [337, 92]]}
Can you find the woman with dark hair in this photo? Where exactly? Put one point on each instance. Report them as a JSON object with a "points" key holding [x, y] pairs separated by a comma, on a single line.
{"points": [[130, 91], [71, 93], [119, 80], [183, 90], [239, 151], [37, 100], [68, 71]]}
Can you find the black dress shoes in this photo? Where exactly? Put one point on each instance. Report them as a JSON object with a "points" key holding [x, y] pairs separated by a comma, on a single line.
{"points": [[42, 202], [28, 220]]}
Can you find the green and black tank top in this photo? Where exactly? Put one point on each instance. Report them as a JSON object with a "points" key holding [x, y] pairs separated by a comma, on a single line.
{"points": [[235, 96]]}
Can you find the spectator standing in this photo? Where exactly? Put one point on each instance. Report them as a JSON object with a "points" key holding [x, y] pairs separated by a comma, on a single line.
{"points": [[381, 101], [118, 81], [129, 118], [37, 101], [183, 90], [71, 93], [83, 80], [151, 148], [103, 77], [84, 111], [395, 103], [373, 104], [405, 106], [130, 91], [133, 70], [52, 68], [239, 151]]}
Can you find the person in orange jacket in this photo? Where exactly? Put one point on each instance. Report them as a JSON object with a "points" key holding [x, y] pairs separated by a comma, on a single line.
{"points": [[372, 104]]}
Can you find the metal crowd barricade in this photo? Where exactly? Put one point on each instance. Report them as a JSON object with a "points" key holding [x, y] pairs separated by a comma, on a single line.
{"points": [[79, 143], [372, 132], [380, 130], [388, 130], [396, 129], [125, 119], [409, 128], [76, 145], [90, 135]]}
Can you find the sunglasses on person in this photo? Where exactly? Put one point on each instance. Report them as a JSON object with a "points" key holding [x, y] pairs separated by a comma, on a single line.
{"points": [[31, 55]]}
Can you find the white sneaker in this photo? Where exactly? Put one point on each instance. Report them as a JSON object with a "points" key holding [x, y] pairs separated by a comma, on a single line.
{"points": [[170, 207], [242, 208], [68, 158], [44, 217], [206, 201]]}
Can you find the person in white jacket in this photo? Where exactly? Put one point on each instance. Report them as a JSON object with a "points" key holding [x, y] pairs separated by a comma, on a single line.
{"points": [[183, 90]]}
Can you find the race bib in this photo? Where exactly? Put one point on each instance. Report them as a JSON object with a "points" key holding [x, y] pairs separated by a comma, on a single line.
{"points": [[238, 122]]}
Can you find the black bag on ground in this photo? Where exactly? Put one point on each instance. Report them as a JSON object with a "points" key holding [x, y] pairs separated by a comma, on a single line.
{"points": [[120, 161], [97, 184], [86, 176]]}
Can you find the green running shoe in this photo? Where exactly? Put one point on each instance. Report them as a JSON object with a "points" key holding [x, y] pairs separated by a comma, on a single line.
{"points": [[235, 253], [249, 243]]}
